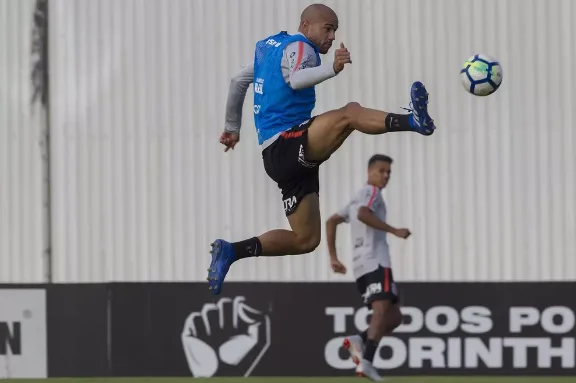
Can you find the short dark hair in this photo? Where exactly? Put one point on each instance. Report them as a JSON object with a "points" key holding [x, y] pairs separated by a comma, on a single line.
{"points": [[379, 157]]}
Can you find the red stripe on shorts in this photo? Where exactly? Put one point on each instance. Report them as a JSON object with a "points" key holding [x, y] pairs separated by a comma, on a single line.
{"points": [[386, 280]]}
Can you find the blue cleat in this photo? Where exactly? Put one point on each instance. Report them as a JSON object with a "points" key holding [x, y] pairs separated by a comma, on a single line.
{"points": [[419, 119], [223, 257]]}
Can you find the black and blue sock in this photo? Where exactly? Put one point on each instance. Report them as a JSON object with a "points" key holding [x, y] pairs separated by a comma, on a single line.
{"points": [[398, 122], [247, 248]]}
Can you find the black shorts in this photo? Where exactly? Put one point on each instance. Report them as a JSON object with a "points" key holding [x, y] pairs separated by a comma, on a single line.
{"points": [[378, 285], [285, 163]]}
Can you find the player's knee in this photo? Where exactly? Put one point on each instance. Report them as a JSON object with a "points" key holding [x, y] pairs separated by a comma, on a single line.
{"points": [[307, 243], [351, 112]]}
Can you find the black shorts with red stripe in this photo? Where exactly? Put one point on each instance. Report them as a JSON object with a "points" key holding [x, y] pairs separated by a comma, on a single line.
{"points": [[285, 163], [378, 285]]}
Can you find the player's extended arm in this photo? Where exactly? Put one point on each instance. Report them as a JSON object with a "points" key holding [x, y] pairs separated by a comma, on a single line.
{"points": [[331, 226], [239, 85], [367, 217], [306, 78], [300, 66]]}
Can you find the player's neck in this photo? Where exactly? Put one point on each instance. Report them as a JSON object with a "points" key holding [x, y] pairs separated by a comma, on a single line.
{"points": [[299, 32], [372, 184]]}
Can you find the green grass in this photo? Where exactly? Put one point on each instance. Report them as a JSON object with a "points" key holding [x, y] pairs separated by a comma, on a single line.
{"points": [[423, 379]]}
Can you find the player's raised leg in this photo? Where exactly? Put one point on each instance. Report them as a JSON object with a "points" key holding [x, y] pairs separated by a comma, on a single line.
{"points": [[329, 130]]}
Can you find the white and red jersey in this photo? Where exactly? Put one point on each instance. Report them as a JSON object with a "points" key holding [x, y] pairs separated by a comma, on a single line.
{"points": [[370, 246]]}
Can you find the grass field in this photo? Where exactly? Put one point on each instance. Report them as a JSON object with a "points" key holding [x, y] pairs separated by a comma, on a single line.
{"points": [[423, 379]]}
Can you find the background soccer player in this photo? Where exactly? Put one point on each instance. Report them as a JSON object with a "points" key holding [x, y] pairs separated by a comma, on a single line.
{"points": [[366, 213]]}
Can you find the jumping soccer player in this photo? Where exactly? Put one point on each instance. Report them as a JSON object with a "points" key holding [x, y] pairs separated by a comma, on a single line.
{"points": [[285, 71], [366, 214]]}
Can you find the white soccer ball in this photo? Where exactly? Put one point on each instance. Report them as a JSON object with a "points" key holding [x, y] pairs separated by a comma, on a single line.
{"points": [[481, 75]]}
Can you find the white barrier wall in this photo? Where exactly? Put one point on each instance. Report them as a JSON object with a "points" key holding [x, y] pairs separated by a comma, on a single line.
{"points": [[23, 225], [141, 185]]}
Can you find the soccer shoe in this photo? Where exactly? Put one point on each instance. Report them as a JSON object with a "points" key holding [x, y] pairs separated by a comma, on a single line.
{"points": [[419, 119], [222, 257], [355, 347], [367, 370]]}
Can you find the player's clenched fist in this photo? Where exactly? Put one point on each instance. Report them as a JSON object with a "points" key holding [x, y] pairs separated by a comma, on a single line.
{"points": [[341, 57], [229, 140]]}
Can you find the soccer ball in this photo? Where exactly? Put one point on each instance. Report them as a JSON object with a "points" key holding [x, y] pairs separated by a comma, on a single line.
{"points": [[481, 75]]}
